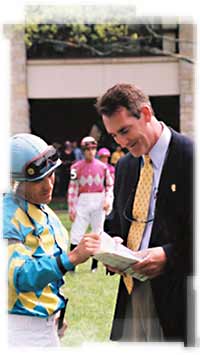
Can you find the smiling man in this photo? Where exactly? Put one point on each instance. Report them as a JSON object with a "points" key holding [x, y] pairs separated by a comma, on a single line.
{"points": [[152, 213]]}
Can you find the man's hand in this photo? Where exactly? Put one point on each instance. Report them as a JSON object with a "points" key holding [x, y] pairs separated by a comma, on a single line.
{"points": [[61, 331], [153, 262], [88, 245], [112, 269], [72, 216], [106, 206]]}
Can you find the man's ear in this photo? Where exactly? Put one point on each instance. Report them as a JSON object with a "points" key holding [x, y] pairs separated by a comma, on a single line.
{"points": [[146, 112]]}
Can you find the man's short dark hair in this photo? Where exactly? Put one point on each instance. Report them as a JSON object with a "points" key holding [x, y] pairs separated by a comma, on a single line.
{"points": [[122, 95]]}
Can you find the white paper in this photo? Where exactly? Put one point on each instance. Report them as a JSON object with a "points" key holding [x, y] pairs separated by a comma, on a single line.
{"points": [[117, 256]]}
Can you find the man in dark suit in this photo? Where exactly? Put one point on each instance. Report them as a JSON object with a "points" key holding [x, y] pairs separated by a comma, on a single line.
{"points": [[155, 310]]}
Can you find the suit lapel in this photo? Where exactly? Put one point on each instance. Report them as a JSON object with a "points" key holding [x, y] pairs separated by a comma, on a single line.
{"points": [[132, 177], [168, 178], [128, 184]]}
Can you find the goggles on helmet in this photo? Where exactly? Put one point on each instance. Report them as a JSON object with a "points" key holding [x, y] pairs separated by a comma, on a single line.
{"points": [[41, 164], [87, 145]]}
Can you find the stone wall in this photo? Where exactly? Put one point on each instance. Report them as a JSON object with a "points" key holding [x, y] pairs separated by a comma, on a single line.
{"points": [[20, 121], [187, 35]]}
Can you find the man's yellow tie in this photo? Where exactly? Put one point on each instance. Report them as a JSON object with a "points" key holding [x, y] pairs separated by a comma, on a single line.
{"points": [[140, 212]]}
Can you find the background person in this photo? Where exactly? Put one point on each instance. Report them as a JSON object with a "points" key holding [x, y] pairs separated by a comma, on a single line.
{"points": [[67, 157], [116, 155], [77, 151], [89, 193], [104, 155], [37, 245], [156, 309]]}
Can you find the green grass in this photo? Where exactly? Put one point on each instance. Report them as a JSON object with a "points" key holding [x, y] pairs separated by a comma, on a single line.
{"points": [[58, 204], [64, 218], [92, 298]]}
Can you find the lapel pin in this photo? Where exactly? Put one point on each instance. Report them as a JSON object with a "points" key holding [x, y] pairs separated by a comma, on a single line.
{"points": [[173, 187]]}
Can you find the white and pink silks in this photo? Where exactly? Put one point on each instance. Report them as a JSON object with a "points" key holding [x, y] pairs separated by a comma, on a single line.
{"points": [[90, 188]]}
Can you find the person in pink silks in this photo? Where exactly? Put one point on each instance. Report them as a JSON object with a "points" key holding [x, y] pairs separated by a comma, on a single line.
{"points": [[104, 155], [89, 194]]}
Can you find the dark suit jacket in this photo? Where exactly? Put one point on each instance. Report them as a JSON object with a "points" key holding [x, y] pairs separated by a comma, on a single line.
{"points": [[172, 229]]}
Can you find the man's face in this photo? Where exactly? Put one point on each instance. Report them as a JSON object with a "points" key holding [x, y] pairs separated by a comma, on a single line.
{"points": [[128, 131], [104, 159], [38, 191], [90, 153]]}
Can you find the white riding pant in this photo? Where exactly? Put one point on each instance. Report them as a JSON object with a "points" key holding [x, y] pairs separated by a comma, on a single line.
{"points": [[26, 331], [89, 212]]}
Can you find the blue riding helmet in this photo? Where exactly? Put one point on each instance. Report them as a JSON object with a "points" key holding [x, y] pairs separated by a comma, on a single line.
{"points": [[31, 157]]}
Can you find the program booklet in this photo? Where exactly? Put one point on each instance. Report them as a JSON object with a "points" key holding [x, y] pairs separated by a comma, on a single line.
{"points": [[117, 256]]}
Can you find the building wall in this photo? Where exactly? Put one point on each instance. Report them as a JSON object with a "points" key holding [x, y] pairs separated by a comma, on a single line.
{"points": [[20, 121], [186, 78], [89, 78]]}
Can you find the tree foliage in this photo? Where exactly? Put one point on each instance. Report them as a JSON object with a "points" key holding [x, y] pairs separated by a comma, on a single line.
{"points": [[82, 40], [69, 40]]}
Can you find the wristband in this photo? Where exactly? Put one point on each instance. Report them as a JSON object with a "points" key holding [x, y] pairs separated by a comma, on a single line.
{"points": [[64, 263]]}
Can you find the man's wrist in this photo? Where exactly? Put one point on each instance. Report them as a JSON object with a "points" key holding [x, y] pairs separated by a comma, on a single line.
{"points": [[64, 263], [74, 256]]}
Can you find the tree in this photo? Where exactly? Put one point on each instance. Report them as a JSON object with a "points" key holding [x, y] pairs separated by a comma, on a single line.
{"points": [[97, 40]]}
